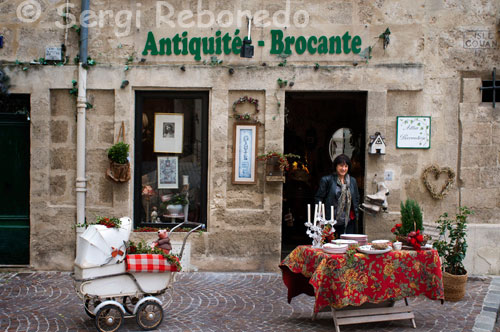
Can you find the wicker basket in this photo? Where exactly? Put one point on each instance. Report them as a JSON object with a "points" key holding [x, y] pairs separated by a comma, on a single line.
{"points": [[454, 286], [404, 241]]}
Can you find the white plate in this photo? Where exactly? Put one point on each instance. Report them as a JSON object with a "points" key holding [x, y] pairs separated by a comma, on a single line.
{"points": [[345, 241], [370, 251], [353, 236], [428, 246]]}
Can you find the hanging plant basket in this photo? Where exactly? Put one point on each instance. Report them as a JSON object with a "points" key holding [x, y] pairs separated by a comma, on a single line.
{"points": [[119, 165]]}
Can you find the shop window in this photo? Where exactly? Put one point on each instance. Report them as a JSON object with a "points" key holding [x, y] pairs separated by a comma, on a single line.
{"points": [[170, 158]]}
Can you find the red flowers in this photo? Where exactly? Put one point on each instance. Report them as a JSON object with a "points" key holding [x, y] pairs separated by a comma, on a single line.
{"points": [[396, 228], [109, 222]]}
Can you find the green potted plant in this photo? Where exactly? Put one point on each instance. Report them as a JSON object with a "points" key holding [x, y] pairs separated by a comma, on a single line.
{"points": [[175, 204], [119, 169], [452, 247], [411, 229]]}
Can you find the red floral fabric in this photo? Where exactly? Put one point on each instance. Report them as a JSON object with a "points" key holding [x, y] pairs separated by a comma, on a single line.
{"points": [[148, 263], [339, 281]]}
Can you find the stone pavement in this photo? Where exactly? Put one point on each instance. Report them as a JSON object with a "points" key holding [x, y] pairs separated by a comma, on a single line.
{"points": [[46, 301]]}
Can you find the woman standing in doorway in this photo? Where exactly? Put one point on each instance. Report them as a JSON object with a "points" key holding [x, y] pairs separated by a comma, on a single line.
{"points": [[340, 190]]}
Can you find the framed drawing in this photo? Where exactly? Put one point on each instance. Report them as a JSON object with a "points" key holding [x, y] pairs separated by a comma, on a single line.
{"points": [[244, 153], [168, 172], [413, 132], [168, 135]]}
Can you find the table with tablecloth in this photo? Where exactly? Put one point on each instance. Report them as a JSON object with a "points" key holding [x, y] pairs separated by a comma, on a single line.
{"points": [[340, 280]]}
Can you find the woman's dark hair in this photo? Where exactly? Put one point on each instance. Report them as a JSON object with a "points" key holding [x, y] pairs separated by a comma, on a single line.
{"points": [[342, 159]]}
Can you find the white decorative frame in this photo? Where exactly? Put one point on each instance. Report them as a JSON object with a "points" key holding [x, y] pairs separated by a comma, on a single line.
{"points": [[244, 153], [169, 132], [413, 132], [168, 172]]}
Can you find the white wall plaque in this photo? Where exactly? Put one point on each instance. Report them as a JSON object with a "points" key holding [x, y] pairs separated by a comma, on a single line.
{"points": [[53, 53], [413, 132]]}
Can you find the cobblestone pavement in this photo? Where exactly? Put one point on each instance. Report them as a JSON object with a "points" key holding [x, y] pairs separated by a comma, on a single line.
{"points": [[46, 301]]}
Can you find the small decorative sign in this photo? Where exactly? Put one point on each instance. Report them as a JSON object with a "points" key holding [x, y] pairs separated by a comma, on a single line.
{"points": [[53, 53], [413, 132]]}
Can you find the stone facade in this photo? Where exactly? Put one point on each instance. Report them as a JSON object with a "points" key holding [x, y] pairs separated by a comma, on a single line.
{"points": [[429, 68]]}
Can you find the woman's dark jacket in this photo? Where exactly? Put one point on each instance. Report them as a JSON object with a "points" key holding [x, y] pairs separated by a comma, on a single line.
{"points": [[329, 193]]}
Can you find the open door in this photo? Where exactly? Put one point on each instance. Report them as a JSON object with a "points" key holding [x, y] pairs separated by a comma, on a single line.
{"points": [[318, 127]]}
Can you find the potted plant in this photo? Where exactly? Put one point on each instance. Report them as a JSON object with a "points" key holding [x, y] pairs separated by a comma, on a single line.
{"points": [[119, 169], [175, 204], [452, 247], [411, 229]]}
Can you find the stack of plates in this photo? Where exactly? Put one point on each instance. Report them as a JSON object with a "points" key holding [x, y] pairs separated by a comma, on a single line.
{"points": [[361, 238], [344, 241], [331, 248]]}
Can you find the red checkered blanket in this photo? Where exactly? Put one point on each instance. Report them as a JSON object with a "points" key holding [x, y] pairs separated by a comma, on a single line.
{"points": [[148, 263]]}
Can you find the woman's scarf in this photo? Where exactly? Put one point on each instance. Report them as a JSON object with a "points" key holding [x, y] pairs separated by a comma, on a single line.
{"points": [[344, 203]]}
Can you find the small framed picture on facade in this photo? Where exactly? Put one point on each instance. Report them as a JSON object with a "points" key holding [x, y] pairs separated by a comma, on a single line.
{"points": [[244, 153], [413, 132], [169, 130], [168, 172]]}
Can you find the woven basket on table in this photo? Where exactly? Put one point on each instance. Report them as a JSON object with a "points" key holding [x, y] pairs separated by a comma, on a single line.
{"points": [[404, 240]]}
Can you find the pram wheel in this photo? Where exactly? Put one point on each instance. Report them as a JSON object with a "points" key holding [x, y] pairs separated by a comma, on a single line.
{"points": [[129, 303], [109, 318], [89, 307], [149, 315]]}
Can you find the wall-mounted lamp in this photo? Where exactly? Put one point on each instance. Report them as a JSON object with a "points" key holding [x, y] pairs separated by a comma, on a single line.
{"points": [[377, 144], [247, 47]]}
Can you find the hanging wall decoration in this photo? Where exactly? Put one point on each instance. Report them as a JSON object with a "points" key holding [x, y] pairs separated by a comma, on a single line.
{"points": [[435, 172], [244, 153], [246, 116]]}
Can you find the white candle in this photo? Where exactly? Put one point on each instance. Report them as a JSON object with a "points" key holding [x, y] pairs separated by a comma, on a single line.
{"points": [[324, 215], [315, 212], [308, 212], [332, 215]]}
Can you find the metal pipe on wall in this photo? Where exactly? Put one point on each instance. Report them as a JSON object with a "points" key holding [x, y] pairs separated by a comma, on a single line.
{"points": [[81, 179]]}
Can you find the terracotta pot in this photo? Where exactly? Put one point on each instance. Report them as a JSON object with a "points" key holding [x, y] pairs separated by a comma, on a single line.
{"points": [[454, 286]]}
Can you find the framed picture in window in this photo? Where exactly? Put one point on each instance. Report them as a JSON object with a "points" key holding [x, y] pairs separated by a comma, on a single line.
{"points": [[244, 153], [168, 133], [168, 172]]}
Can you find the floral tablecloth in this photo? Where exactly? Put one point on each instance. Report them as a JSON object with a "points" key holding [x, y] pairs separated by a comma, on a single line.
{"points": [[339, 280]]}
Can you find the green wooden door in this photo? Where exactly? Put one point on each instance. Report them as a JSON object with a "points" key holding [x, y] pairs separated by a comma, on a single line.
{"points": [[14, 189]]}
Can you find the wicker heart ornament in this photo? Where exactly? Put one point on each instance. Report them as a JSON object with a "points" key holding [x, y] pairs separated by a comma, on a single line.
{"points": [[435, 171]]}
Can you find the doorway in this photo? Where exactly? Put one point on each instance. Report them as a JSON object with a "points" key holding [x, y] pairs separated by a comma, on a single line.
{"points": [[318, 127], [14, 179]]}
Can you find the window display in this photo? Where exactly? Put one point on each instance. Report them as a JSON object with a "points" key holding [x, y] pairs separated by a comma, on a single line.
{"points": [[171, 159]]}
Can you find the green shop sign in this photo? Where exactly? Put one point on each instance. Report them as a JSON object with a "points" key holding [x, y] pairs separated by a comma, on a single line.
{"points": [[227, 44]]}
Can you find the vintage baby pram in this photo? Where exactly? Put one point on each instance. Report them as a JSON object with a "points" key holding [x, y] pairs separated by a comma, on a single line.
{"points": [[110, 290]]}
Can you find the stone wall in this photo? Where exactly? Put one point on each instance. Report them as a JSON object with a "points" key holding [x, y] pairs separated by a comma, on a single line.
{"points": [[426, 70]]}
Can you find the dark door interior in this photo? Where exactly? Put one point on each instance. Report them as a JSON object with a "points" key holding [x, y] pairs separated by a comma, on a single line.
{"points": [[319, 126], [14, 180]]}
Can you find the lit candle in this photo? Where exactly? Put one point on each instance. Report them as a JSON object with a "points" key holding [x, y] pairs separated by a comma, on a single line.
{"points": [[308, 212]]}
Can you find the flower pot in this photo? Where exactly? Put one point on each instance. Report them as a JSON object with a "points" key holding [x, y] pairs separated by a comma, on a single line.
{"points": [[175, 209], [119, 172], [454, 286]]}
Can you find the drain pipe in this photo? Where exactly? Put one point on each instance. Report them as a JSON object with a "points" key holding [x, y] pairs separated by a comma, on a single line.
{"points": [[81, 179]]}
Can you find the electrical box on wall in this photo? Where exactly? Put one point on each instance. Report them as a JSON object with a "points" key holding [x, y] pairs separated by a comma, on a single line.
{"points": [[377, 144]]}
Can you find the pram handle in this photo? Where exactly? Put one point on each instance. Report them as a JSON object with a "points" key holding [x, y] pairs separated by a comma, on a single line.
{"points": [[198, 226]]}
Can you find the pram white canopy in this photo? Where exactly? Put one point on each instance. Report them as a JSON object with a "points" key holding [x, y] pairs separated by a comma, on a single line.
{"points": [[98, 243]]}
